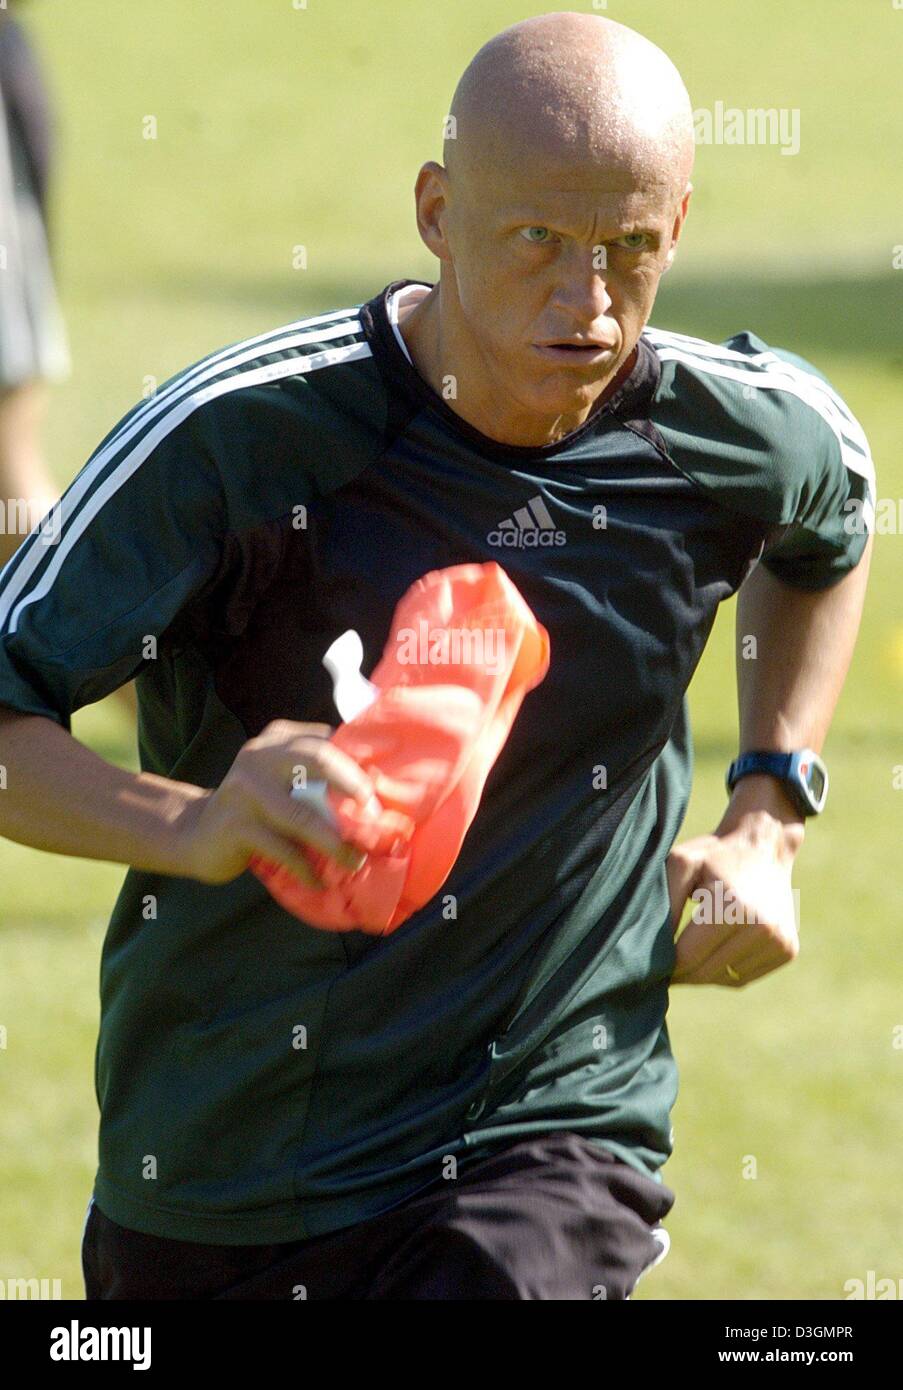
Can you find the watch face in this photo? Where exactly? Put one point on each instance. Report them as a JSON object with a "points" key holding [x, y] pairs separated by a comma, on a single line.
{"points": [[815, 779]]}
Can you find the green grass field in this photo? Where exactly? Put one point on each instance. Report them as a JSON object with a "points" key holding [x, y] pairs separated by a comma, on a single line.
{"points": [[306, 127]]}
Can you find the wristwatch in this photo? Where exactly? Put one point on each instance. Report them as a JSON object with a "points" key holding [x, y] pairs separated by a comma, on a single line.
{"points": [[803, 775]]}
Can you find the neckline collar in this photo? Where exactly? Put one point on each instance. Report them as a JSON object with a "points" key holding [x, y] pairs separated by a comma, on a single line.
{"points": [[630, 400]]}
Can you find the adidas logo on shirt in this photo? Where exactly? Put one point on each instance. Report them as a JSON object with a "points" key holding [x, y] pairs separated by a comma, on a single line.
{"points": [[530, 526]]}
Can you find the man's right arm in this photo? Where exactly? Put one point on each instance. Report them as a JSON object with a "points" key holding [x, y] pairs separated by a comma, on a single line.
{"points": [[139, 533], [63, 798]]}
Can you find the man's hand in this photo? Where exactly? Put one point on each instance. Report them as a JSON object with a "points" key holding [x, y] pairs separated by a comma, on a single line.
{"points": [[743, 923], [253, 812]]}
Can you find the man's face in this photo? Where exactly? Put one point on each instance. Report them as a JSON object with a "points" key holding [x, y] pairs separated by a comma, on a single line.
{"points": [[542, 268]]}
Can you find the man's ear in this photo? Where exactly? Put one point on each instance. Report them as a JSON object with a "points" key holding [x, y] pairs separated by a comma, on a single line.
{"points": [[680, 218], [431, 195]]}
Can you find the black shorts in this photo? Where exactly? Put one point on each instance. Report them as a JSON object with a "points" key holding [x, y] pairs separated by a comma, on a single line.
{"points": [[554, 1217]]}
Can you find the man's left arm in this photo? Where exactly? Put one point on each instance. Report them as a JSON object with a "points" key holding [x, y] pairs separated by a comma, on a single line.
{"points": [[787, 694]]}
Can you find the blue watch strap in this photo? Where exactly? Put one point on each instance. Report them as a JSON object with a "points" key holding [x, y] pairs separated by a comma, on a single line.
{"points": [[775, 764], [802, 774]]}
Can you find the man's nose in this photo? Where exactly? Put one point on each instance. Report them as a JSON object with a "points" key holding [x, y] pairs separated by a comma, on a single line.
{"points": [[584, 293]]}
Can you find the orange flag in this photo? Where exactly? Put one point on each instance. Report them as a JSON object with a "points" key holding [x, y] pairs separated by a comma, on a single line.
{"points": [[463, 651]]}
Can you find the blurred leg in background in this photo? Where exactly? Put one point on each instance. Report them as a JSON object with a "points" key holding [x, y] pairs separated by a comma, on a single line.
{"points": [[23, 471]]}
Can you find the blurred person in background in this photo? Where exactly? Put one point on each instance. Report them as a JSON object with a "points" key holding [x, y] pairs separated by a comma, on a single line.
{"points": [[33, 347]]}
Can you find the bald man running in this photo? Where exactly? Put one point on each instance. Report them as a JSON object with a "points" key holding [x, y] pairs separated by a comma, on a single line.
{"points": [[476, 1106]]}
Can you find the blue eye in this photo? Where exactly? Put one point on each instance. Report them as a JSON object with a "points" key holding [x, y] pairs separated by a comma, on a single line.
{"points": [[543, 235]]}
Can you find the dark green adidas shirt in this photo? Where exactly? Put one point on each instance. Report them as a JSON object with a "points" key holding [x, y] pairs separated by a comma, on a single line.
{"points": [[260, 1080]]}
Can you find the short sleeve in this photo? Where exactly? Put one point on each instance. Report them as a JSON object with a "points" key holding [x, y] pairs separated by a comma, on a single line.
{"points": [[136, 534], [835, 507]]}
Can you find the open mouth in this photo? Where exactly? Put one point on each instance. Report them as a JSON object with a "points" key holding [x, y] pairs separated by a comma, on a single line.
{"points": [[574, 352]]}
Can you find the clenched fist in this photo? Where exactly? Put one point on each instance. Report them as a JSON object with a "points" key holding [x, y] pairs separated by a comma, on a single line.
{"points": [[744, 923], [253, 811]]}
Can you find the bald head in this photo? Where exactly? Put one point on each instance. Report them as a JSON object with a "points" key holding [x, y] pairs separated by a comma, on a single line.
{"points": [[572, 91], [559, 207]]}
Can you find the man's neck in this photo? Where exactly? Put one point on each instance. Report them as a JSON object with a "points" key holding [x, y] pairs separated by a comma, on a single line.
{"points": [[421, 325]]}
